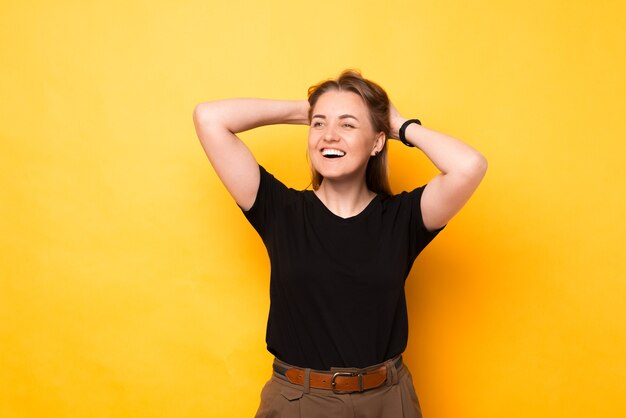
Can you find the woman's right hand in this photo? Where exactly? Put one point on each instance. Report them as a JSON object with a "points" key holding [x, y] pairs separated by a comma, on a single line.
{"points": [[216, 125]]}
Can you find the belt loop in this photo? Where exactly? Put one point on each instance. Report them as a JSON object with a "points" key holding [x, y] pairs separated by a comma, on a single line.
{"points": [[392, 373], [307, 381]]}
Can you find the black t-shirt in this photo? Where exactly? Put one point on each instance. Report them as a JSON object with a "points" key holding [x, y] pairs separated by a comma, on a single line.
{"points": [[337, 285]]}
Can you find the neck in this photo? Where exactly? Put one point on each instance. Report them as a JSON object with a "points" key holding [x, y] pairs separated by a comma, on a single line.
{"points": [[344, 199]]}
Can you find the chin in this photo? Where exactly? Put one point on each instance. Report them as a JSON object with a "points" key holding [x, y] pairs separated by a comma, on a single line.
{"points": [[338, 169], [338, 175]]}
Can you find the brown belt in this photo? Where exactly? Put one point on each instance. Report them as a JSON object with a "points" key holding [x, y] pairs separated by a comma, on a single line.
{"points": [[340, 381]]}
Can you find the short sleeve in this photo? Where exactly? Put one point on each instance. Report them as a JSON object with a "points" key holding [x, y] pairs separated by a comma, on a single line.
{"points": [[271, 197], [420, 236]]}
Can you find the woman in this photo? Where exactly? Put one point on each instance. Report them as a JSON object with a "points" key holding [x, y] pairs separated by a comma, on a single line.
{"points": [[339, 253]]}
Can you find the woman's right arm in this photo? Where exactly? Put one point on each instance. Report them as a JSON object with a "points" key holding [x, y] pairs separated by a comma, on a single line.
{"points": [[218, 122]]}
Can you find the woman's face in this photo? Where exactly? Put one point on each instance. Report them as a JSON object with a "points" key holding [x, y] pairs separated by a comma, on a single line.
{"points": [[341, 136]]}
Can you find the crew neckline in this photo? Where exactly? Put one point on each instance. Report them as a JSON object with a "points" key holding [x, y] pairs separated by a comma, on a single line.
{"points": [[333, 215]]}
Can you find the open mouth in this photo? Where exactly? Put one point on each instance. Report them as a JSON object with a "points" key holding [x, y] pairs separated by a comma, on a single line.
{"points": [[332, 153]]}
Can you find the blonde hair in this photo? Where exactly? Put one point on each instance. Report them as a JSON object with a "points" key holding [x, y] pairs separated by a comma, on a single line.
{"points": [[377, 102]]}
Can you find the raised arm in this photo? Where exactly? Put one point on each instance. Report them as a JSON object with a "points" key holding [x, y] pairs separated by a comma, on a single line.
{"points": [[462, 168], [218, 122]]}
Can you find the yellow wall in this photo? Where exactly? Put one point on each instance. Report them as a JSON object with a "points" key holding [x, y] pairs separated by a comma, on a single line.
{"points": [[131, 285]]}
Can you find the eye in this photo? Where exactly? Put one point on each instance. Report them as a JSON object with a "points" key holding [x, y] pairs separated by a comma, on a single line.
{"points": [[316, 124], [348, 125]]}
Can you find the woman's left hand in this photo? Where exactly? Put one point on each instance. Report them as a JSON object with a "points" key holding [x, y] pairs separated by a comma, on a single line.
{"points": [[395, 121]]}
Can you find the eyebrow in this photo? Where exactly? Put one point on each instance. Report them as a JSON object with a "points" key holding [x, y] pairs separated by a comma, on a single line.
{"points": [[344, 116]]}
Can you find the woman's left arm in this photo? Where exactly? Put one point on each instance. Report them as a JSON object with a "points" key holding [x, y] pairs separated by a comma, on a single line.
{"points": [[462, 168]]}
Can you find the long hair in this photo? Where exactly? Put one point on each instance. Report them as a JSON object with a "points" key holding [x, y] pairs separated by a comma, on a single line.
{"points": [[377, 101]]}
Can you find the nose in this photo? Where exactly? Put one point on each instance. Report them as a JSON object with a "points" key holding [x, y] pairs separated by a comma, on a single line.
{"points": [[330, 135]]}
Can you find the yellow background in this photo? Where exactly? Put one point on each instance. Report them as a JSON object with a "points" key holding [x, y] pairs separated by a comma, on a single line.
{"points": [[132, 286]]}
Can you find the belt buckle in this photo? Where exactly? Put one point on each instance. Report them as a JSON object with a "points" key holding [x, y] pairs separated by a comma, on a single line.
{"points": [[333, 382]]}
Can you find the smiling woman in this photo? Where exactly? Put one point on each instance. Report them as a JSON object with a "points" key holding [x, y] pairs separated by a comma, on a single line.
{"points": [[371, 104], [340, 253], [349, 140]]}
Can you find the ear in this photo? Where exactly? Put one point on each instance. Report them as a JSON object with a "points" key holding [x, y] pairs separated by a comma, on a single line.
{"points": [[379, 143]]}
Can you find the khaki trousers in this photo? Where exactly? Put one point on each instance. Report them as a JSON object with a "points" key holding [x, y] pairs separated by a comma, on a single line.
{"points": [[396, 398]]}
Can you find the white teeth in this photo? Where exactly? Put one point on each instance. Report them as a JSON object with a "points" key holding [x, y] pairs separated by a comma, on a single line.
{"points": [[332, 152]]}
